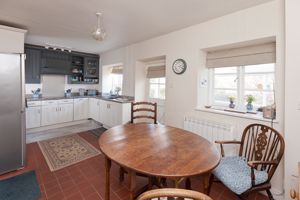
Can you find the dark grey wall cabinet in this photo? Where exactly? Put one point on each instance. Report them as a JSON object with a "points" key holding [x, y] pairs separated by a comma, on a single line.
{"points": [[81, 68], [56, 62], [32, 65]]}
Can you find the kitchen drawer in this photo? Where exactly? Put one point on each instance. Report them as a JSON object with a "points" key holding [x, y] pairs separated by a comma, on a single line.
{"points": [[65, 101], [33, 103], [50, 102], [80, 99]]}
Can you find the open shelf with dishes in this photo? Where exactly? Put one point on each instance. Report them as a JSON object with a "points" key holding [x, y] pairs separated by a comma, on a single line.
{"points": [[84, 70]]}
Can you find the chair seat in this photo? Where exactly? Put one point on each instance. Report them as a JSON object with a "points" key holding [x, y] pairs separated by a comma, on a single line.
{"points": [[235, 173]]}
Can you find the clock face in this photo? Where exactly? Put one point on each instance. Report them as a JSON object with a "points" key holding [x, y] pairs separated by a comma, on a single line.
{"points": [[179, 66]]}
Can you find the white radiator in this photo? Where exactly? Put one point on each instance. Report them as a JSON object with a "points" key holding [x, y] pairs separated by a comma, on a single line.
{"points": [[209, 129]]}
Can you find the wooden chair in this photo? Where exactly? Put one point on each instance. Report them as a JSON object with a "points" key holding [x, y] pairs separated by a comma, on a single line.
{"points": [[172, 192], [140, 110], [144, 110], [261, 149]]}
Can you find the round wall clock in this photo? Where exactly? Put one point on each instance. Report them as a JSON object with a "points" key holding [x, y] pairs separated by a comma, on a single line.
{"points": [[179, 66]]}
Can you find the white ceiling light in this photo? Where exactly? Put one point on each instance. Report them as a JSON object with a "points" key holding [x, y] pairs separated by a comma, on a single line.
{"points": [[99, 33]]}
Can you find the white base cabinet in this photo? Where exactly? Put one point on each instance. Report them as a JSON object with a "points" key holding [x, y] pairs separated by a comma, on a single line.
{"points": [[94, 109], [33, 114], [81, 108], [57, 111], [51, 112], [113, 114]]}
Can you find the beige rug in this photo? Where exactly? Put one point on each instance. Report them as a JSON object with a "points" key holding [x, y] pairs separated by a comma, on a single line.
{"points": [[65, 151]]}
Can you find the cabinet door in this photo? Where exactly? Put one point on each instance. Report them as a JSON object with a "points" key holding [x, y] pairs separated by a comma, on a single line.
{"points": [[33, 117], [115, 114], [94, 109], [65, 113], [49, 115], [32, 65], [102, 111], [81, 109]]}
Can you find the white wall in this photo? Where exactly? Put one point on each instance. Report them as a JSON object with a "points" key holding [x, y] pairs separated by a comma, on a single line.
{"points": [[11, 40], [263, 21], [292, 93]]}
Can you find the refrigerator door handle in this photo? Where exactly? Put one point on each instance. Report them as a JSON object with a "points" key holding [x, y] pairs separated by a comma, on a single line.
{"points": [[23, 82]]}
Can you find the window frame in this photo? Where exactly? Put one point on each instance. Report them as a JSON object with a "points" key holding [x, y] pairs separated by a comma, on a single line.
{"points": [[158, 85], [240, 90]]}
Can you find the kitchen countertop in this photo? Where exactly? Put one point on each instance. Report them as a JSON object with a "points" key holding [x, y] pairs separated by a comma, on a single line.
{"points": [[120, 99]]}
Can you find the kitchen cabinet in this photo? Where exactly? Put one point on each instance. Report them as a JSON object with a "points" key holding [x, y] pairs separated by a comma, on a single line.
{"points": [[113, 114], [94, 109], [33, 114], [32, 65], [55, 62], [81, 108], [57, 111]]}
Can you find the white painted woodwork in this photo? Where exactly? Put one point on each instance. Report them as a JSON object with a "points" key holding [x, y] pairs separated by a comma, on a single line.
{"points": [[81, 108]]}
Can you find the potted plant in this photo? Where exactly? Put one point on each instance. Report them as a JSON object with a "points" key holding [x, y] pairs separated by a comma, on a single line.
{"points": [[250, 99], [231, 100]]}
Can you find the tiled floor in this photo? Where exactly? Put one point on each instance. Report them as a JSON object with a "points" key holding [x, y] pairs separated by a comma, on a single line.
{"points": [[85, 180]]}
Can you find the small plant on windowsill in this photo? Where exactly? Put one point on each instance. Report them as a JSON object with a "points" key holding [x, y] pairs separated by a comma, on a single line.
{"points": [[250, 99], [231, 100]]}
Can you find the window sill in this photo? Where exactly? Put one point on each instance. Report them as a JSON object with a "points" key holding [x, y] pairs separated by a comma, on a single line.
{"points": [[258, 117]]}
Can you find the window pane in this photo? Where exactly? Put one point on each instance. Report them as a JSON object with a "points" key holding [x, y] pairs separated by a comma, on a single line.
{"points": [[225, 70], [259, 81], [154, 80], [162, 80], [261, 98], [153, 91], [260, 68], [223, 95], [162, 89], [226, 81]]}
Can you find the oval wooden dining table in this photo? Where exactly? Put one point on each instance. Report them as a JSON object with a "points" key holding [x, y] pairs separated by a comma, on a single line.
{"points": [[157, 151]]}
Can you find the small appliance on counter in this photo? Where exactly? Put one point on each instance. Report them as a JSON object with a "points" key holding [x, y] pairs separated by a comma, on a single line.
{"points": [[92, 92], [81, 91]]}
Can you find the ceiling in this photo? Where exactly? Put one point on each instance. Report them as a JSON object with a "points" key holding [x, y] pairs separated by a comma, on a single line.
{"points": [[70, 22]]}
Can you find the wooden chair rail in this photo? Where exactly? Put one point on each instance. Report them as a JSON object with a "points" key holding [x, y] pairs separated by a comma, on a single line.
{"points": [[143, 103], [143, 109], [172, 192], [143, 116]]}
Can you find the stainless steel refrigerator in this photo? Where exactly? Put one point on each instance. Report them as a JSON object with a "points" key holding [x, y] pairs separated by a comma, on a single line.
{"points": [[12, 112]]}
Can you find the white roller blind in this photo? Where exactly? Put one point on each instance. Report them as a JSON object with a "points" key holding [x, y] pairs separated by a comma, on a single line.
{"points": [[248, 55], [156, 72]]}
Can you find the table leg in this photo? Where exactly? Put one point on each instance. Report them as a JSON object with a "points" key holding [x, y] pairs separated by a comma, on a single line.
{"points": [[132, 184], [107, 178], [207, 182]]}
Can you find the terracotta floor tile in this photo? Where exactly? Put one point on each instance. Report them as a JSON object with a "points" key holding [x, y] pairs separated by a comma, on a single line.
{"points": [[86, 180]]}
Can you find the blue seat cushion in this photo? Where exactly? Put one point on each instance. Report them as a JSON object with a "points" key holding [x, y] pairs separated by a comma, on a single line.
{"points": [[235, 173]]}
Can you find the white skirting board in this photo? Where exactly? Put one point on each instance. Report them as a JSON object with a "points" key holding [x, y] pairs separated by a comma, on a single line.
{"points": [[44, 133]]}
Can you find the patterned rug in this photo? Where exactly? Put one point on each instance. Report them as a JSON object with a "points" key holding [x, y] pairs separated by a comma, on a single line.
{"points": [[65, 151]]}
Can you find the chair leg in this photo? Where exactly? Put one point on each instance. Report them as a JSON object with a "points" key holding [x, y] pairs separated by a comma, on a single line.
{"points": [[211, 180], [121, 174], [188, 184], [270, 194]]}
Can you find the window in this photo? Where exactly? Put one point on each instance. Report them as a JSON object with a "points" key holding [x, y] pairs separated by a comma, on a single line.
{"points": [[116, 83], [157, 88], [241, 81]]}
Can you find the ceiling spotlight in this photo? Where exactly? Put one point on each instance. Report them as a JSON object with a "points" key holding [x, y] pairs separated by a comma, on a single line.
{"points": [[54, 48], [47, 47], [99, 33], [70, 50], [62, 49]]}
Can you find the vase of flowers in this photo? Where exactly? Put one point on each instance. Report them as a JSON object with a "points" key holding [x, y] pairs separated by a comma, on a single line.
{"points": [[250, 99], [231, 100]]}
